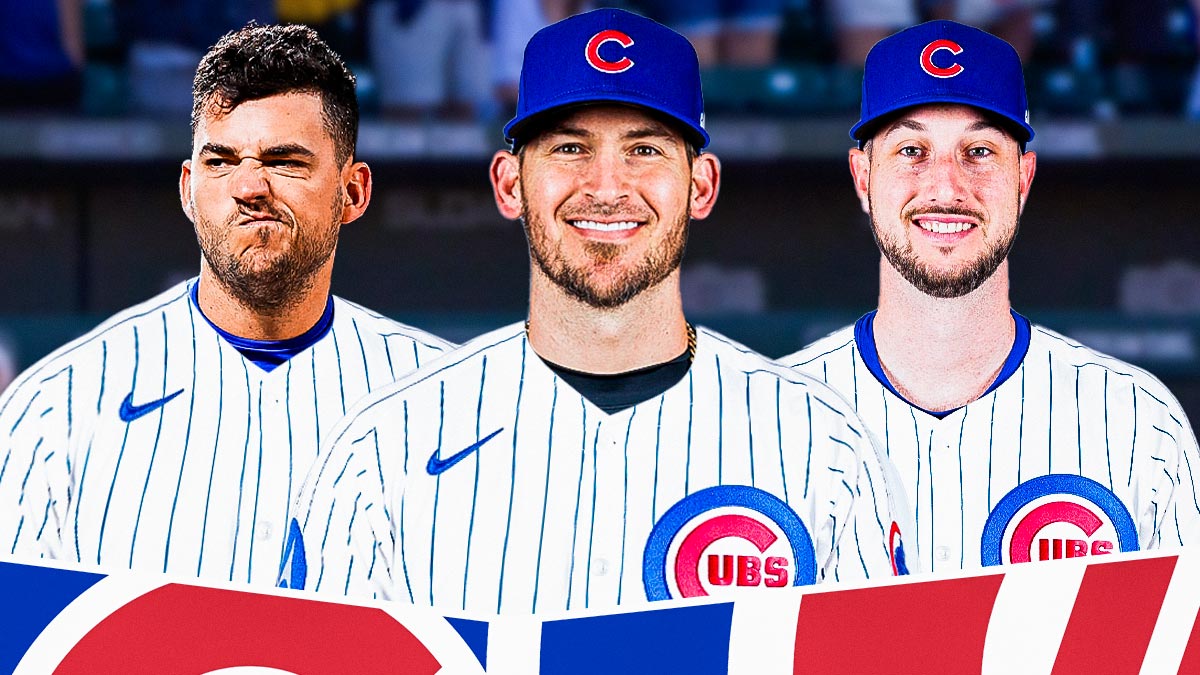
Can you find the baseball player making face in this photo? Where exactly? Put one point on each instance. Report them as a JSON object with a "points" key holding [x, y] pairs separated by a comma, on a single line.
{"points": [[606, 452], [173, 437], [1014, 443]]}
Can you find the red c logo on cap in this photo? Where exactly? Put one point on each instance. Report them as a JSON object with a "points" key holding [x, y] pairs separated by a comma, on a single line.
{"points": [[592, 51], [934, 47]]}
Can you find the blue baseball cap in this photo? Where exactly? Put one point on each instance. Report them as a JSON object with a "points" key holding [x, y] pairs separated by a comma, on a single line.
{"points": [[610, 56], [943, 62]]}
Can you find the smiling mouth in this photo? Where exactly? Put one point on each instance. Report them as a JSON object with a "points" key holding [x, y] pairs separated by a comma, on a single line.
{"points": [[943, 227], [596, 226]]}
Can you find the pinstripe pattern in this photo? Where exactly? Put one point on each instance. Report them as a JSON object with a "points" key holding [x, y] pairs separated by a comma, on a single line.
{"points": [[1067, 410], [203, 484], [560, 503]]}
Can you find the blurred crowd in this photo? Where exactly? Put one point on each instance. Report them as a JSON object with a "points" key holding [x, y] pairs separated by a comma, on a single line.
{"points": [[460, 59]]}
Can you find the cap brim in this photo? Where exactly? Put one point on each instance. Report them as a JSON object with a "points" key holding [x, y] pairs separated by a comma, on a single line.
{"points": [[518, 129], [865, 128]]}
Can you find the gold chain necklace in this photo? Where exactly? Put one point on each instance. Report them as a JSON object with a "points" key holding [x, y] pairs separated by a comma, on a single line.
{"points": [[691, 340]]}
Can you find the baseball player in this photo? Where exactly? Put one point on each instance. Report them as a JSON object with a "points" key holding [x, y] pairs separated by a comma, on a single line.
{"points": [[174, 436], [1013, 443], [606, 451]]}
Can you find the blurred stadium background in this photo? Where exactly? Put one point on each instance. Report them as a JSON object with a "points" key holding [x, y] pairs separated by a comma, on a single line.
{"points": [[93, 125]]}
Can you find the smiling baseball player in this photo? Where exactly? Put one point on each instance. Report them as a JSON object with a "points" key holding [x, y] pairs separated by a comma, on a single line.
{"points": [[1014, 443], [606, 452], [174, 436]]}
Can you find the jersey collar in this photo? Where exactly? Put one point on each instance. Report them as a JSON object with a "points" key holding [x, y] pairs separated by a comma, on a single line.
{"points": [[269, 354], [864, 337]]}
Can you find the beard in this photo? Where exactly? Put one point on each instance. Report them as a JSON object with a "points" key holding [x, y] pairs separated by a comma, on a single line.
{"points": [[937, 283], [582, 281], [262, 280]]}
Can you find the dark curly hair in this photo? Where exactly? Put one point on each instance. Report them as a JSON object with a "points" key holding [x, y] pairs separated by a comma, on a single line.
{"points": [[256, 61]]}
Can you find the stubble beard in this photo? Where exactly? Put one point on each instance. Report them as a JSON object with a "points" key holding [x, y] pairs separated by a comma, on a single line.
{"points": [[579, 282], [936, 283], [266, 282]]}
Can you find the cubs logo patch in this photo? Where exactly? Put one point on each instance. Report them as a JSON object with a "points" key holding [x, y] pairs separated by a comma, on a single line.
{"points": [[727, 537], [592, 51], [933, 69], [1054, 517]]}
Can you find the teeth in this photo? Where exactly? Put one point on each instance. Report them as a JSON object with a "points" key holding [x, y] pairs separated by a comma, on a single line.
{"points": [[604, 227], [939, 227]]}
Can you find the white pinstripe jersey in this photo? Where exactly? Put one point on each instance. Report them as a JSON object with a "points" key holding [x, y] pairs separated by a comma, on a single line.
{"points": [[201, 479], [483, 482], [1075, 453]]}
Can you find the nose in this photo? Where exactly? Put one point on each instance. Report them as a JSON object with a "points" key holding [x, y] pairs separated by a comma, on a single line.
{"points": [[250, 182], [947, 184], [607, 178]]}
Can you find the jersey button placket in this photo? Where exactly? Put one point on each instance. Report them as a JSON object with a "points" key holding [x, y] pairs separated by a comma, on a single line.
{"points": [[606, 533], [946, 501]]}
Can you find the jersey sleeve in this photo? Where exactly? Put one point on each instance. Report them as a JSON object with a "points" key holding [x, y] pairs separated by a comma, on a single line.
{"points": [[1181, 526], [904, 559], [36, 423], [341, 540], [874, 518]]}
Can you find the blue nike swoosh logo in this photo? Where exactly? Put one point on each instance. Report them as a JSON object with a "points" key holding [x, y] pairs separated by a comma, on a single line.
{"points": [[437, 465], [130, 412]]}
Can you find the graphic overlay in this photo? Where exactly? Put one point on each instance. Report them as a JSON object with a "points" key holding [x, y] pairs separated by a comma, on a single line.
{"points": [[1112, 613], [244, 629], [723, 538], [1056, 517], [136, 623]]}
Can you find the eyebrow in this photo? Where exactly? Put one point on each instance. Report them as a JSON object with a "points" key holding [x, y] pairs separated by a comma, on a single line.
{"points": [[651, 130], [979, 125], [904, 123], [274, 151], [287, 150], [216, 149], [984, 124]]}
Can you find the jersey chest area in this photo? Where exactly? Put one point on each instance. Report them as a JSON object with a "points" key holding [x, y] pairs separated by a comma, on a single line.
{"points": [[193, 472], [577, 509], [1056, 463]]}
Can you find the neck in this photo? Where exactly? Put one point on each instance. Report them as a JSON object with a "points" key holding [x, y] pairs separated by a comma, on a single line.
{"points": [[942, 353], [231, 315], [648, 330]]}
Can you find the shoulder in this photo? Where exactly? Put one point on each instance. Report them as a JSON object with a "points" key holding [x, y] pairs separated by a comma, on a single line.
{"points": [[792, 384], [85, 355], [1060, 351], [841, 340], [495, 349], [1057, 352], [369, 321]]}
